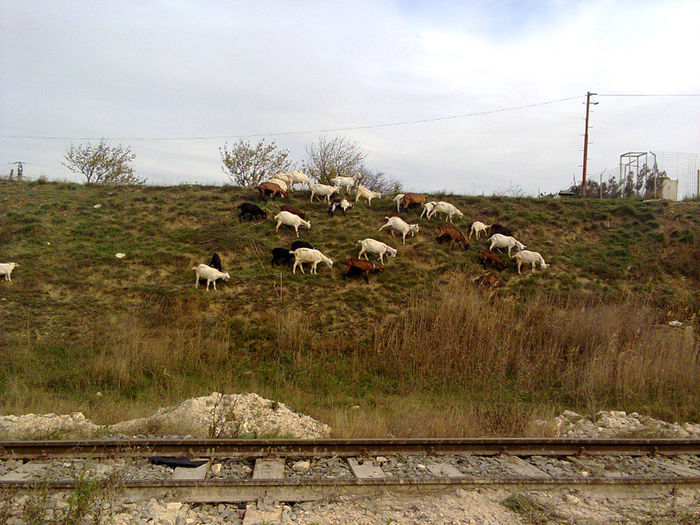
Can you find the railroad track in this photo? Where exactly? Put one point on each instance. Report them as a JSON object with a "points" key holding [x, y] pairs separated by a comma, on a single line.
{"points": [[305, 470]]}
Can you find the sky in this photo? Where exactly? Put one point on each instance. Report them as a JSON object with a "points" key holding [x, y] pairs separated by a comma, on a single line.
{"points": [[512, 77]]}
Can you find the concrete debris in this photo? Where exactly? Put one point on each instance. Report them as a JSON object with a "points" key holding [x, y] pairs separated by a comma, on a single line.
{"points": [[217, 415], [613, 424]]}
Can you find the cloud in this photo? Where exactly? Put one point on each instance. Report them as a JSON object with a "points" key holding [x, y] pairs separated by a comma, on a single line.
{"points": [[130, 70]]}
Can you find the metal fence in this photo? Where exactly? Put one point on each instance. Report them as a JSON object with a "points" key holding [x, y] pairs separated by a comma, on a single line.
{"points": [[682, 167]]}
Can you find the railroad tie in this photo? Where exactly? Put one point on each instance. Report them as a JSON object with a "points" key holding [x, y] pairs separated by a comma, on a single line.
{"points": [[25, 472], [365, 470], [269, 468], [524, 468], [186, 473], [444, 470]]}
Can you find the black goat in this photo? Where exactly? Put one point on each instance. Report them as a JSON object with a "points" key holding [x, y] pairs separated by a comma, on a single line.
{"points": [[251, 211], [281, 256], [499, 228], [301, 244], [215, 261]]}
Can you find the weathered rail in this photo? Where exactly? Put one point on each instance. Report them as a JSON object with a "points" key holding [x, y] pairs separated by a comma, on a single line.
{"points": [[214, 448]]}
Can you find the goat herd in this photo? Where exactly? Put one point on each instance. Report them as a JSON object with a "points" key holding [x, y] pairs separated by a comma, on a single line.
{"points": [[302, 252]]}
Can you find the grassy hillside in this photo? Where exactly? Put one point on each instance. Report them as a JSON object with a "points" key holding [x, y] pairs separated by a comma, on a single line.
{"points": [[582, 335]]}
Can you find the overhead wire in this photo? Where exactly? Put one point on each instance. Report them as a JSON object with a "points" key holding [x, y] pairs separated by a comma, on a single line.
{"points": [[305, 132]]}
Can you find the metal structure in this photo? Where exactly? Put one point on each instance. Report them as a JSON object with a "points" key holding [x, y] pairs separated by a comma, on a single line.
{"points": [[633, 161]]}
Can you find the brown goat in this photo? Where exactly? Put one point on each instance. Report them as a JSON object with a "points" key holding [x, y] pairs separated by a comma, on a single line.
{"points": [[488, 280], [447, 231], [491, 258], [292, 209], [360, 267], [410, 199], [271, 188]]}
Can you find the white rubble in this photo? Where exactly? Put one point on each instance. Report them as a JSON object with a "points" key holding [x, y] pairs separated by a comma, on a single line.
{"points": [[217, 415], [613, 424]]}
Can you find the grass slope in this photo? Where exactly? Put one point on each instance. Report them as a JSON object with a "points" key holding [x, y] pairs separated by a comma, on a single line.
{"points": [[76, 320]]}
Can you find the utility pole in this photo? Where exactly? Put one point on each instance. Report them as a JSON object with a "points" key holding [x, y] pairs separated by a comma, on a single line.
{"points": [[585, 144]]}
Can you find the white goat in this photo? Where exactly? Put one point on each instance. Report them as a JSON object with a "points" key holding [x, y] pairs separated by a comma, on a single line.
{"points": [[297, 177], [282, 184], [6, 270], [309, 255], [397, 200], [428, 208], [367, 194], [289, 219], [324, 190], [525, 256], [344, 182], [504, 241], [448, 209], [376, 247], [477, 228], [401, 226], [284, 177], [210, 274]]}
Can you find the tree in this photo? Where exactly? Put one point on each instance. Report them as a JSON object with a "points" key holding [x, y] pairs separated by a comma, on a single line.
{"points": [[248, 165], [329, 158], [102, 163], [379, 181]]}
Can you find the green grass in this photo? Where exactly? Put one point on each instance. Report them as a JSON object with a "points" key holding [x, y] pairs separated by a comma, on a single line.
{"points": [[76, 320]]}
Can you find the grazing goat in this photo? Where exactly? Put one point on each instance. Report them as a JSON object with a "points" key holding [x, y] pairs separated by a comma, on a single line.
{"points": [[376, 247], [534, 258], [281, 256], [448, 209], [476, 228], [397, 200], [344, 182], [301, 244], [367, 194], [447, 231], [339, 202], [251, 211], [280, 175], [492, 258], [401, 226], [323, 190], [271, 188], [505, 241], [428, 209], [210, 274], [289, 219], [309, 255], [292, 209], [297, 177], [488, 280], [215, 262], [360, 267], [499, 228], [282, 184], [6, 269], [411, 199]]}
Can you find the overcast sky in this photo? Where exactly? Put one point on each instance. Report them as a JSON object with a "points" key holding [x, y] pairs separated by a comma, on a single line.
{"points": [[220, 70]]}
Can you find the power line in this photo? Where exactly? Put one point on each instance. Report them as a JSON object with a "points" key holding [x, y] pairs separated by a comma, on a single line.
{"points": [[327, 130], [649, 95]]}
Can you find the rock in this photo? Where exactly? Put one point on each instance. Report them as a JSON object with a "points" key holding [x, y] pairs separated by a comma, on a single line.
{"points": [[301, 465], [216, 468], [571, 415]]}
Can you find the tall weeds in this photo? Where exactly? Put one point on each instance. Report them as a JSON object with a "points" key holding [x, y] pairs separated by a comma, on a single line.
{"points": [[595, 354]]}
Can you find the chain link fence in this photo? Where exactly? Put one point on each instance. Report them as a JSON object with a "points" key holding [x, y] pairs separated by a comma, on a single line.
{"points": [[682, 167]]}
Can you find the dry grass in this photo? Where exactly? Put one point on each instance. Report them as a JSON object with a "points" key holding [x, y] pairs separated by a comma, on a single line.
{"points": [[419, 350]]}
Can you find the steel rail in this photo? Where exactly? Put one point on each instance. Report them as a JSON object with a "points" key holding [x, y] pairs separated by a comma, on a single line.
{"points": [[255, 448], [309, 490]]}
